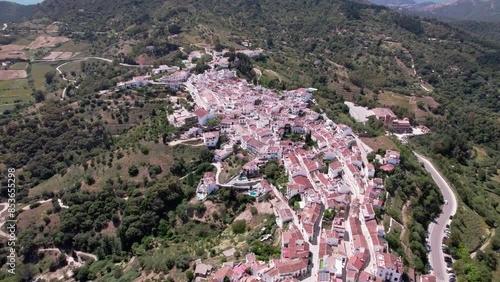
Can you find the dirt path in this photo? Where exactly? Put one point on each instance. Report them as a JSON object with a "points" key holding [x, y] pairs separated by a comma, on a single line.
{"points": [[27, 208], [87, 58], [218, 166], [486, 244], [258, 72], [78, 253], [176, 142], [2, 219]]}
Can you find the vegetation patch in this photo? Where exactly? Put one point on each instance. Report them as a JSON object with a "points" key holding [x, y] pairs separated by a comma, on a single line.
{"points": [[38, 72], [379, 143]]}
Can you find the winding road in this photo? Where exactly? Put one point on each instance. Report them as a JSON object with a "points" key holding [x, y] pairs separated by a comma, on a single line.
{"points": [[87, 58], [436, 228]]}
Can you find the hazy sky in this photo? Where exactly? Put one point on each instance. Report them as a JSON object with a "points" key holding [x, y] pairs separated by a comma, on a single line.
{"points": [[26, 2]]}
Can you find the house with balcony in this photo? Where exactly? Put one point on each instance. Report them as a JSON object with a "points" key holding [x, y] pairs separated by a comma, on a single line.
{"points": [[210, 139]]}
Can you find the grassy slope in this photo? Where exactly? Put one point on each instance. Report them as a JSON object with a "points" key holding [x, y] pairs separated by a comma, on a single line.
{"points": [[38, 72], [13, 91]]}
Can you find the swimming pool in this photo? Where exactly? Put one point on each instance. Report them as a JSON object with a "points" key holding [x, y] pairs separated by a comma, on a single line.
{"points": [[253, 193]]}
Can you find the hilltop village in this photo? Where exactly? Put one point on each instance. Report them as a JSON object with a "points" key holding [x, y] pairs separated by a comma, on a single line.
{"points": [[329, 178]]}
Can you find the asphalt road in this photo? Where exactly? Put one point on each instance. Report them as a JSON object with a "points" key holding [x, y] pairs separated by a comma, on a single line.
{"points": [[436, 229]]}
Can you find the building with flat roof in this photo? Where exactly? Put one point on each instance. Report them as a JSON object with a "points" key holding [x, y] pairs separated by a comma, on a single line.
{"points": [[391, 121]]}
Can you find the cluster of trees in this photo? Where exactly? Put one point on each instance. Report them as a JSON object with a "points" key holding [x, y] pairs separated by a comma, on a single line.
{"points": [[275, 173], [48, 143], [414, 186], [412, 24], [481, 268]]}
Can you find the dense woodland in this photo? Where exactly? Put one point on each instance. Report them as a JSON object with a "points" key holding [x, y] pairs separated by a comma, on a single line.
{"points": [[309, 43]]}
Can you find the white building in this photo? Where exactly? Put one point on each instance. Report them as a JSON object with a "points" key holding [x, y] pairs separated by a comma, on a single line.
{"points": [[273, 152], [165, 68], [389, 267], [371, 170], [203, 115], [368, 212], [344, 130], [210, 139], [137, 82], [334, 169], [206, 186]]}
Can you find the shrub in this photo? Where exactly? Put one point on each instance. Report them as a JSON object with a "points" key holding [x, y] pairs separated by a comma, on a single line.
{"points": [[254, 211], [239, 226], [133, 170]]}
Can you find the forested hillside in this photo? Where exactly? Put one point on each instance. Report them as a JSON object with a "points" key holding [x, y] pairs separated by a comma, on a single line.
{"points": [[347, 50], [10, 11]]}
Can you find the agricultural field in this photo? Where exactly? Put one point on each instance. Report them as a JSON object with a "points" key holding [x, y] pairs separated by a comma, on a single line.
{"points": [[46, 41], [71, 68], [38, 72], [12, 51], [12, 74], [14, 91], [18, 66], [72, 46], [58, 55]]}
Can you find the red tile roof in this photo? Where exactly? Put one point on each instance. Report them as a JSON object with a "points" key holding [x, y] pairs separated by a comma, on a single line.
{"points": [[387, 167], [356, 262], [302, 180], [201, 112], [335, 165]]}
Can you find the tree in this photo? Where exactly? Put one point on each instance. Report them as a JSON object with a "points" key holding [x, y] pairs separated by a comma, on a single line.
{"points": [[200, 68], [175, 29], [239, 226], [133, 170], [254, 211], [371, 156], [39, 96], [270, 43], [49, 76], [26, 272], [189, 275]]}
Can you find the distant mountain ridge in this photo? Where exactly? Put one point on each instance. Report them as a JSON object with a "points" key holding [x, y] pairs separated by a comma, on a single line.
{"points": [[10, 12], [476, 10], [468, 10]]}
